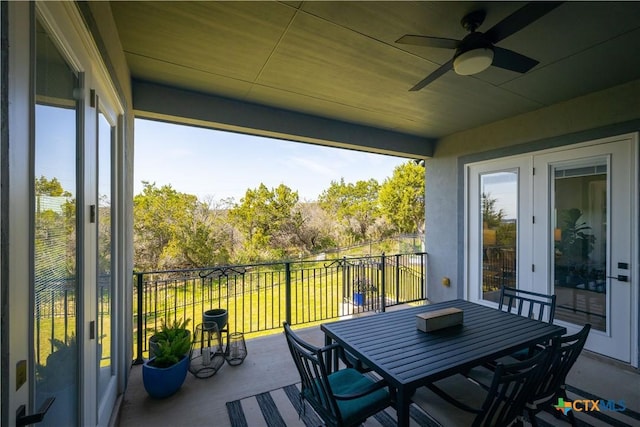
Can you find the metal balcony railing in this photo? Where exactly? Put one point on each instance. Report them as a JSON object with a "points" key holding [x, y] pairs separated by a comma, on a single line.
{"points": [[259, 297]]}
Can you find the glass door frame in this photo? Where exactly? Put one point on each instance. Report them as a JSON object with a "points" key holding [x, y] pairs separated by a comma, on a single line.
{"points": [[57, 252], [537, 276], [67, 27], [622, 299], [473, 222], [552, 224], [113, 119]]}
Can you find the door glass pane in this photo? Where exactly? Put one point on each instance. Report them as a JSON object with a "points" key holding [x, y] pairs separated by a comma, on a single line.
{"points": [[55, 257], [104, 294], [580, 242], [499, 212]]}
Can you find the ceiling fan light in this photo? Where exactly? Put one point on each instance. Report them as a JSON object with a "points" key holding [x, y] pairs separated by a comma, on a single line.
{"points": [[473, 61]]}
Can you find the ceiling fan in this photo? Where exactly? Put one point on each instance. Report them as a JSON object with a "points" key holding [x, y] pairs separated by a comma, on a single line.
{"points": [[477, 50]]}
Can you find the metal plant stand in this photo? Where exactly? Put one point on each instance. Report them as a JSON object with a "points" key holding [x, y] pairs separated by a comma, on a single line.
{"points": [[206, 355]]}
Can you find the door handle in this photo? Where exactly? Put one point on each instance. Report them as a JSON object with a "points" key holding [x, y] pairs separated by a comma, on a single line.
{"points": [[24, 420], [619, 278]]}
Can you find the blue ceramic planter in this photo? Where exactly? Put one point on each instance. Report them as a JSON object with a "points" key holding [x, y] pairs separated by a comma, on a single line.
{"points": [[163, 382], [358, 298]]}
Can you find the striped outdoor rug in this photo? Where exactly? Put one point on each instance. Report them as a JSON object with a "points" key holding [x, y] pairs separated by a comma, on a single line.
{"points": [[281, 408]]}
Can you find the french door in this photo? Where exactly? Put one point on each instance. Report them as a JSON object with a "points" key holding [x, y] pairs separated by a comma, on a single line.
{"points": [[561, 222], [57, 236], [74, 175], [584, 248], [104, 301], [498, 204]]}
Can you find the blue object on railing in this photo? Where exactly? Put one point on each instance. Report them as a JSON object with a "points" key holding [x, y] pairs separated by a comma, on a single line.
{"points": [[358, 298]]}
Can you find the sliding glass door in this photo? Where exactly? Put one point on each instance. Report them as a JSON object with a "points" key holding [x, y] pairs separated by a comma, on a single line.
{"points": [[55, 239], [105, 295], [74, 204]]}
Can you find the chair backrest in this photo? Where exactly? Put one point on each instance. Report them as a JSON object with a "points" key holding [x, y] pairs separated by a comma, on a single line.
{"points": [[566, 352], [311, 362], [511, 388], [528, 304]]}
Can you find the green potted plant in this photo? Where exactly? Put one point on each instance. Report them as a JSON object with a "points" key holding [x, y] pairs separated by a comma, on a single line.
{"points": [[165, 373]]}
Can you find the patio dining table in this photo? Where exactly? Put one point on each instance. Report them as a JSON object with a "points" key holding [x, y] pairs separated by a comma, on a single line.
{"points": [[391, 344]]}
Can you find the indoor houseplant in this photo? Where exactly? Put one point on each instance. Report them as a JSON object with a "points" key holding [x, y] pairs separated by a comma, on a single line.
{"points": [[164, 373]]}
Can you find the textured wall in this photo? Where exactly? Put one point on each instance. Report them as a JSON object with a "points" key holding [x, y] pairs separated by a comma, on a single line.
{"points": [[605, 113]]}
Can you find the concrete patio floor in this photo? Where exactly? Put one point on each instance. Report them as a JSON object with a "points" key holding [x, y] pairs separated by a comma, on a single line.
{"points": [[269, 366]]}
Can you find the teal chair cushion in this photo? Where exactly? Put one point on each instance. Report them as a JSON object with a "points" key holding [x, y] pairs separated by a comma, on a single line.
{"points": [[350, 381]]}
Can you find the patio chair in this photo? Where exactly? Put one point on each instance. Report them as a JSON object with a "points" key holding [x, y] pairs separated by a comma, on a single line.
{"points": [[552, 385], [352, 361], [529, 304], [345, 397], [501, 404]]}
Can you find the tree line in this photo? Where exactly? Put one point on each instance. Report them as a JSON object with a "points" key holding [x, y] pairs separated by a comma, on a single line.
{"points": [[174, 230]]}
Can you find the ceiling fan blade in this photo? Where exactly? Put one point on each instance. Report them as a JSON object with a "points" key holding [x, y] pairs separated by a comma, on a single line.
{"points": [[520, 19], [513, 61], [431, 77], [428, 41]]}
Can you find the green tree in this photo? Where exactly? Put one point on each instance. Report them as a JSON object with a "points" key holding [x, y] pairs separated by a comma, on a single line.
{"points": [[265, 217], [50, 187], [204, 239], [402, 198], [354, 205], [175, 230], [491, 217], [317, 229], [55, 229], [104, 235]]}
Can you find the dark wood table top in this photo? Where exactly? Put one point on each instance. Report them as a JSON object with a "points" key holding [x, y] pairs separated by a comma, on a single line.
{"points": [[407, 357]]}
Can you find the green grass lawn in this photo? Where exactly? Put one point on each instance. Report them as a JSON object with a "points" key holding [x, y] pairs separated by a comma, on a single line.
{"points": [[256, 300]]}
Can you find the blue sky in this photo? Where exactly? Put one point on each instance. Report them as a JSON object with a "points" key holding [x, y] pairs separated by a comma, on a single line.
{"points": [[221, 165]]}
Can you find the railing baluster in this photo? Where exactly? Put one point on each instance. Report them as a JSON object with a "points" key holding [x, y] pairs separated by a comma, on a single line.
{"points": [[287, 272], [320, 290], [139, 359], [383, 273]]}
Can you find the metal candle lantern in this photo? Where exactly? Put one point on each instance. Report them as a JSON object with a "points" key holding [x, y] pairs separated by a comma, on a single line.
{"points": [[206, 351], [236, 350]]}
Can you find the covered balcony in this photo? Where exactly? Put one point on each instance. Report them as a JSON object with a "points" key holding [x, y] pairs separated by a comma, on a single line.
{"points": [[306, 294], [269, 367], [546, 123]]}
